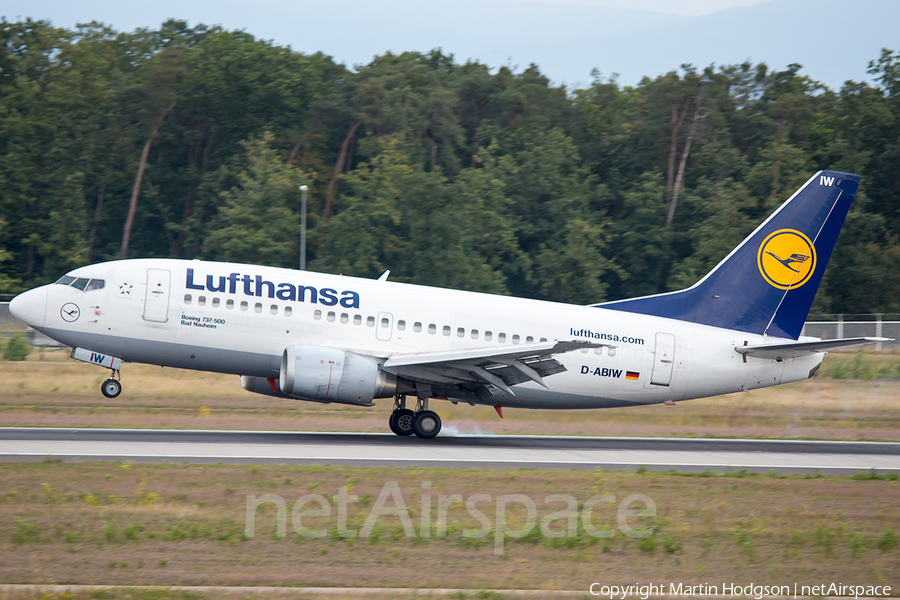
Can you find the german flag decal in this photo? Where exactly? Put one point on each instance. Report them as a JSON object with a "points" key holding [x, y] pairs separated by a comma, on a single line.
{"points": [[632, 375]]}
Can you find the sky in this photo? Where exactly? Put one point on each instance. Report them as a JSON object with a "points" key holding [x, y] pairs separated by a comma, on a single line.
{"points": [[685, 8], [567, 39]]}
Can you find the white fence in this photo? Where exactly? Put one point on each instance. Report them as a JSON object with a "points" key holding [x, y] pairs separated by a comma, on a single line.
{"points": [[849, 326], [9, 325]]}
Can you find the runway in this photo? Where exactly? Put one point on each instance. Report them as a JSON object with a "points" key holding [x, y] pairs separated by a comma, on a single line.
{"points": [[548, 452]]}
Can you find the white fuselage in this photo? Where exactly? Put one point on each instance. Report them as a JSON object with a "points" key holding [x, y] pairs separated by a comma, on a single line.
{"points": [[152, 311]]}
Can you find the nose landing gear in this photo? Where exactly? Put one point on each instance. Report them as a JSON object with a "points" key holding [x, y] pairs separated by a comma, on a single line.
{"points": [[424, 423], [112, 387]]}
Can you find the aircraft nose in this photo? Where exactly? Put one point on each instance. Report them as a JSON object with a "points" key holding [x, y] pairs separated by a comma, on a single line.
{"points": [[29, 307]]}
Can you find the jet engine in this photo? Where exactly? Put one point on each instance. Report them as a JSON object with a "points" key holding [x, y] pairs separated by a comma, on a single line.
{"points": [[324, 374]]}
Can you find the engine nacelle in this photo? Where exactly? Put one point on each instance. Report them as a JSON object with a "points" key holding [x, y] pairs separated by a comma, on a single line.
{"points": [[324, 374]]}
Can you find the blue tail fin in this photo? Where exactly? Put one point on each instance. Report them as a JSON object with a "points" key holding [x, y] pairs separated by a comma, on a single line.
{"points": [[767, 284]]}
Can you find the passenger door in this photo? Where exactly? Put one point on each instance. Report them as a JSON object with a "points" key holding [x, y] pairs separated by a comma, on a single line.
{"points": [[663, 359], [156, 301]]}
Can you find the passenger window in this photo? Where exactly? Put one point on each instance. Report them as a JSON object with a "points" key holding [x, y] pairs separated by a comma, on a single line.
{"points": [[317, 315], [357, 319], [515, 338], [474, 334], [460, 332], [244, 305], [432, 329], [612, 352], [543, 339], [288, 311], [80, 283], [187, 298], [501, 338], [385, 322], [417, 327], [215, 302], [401, 325], [529, 340], [201, 300], [446, 330], [598, 351], [273, 310], [370, 321], [229, 304], [487, 336], [65, 280], [345, 318], [584, 350], [258, 307], [330, 316], [638, 355], [95, 284]]}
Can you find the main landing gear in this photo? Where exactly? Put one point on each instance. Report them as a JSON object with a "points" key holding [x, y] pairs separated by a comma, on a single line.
{"points": [[112, 387], [424, 423]]}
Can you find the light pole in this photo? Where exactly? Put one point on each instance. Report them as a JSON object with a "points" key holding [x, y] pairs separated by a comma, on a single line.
{"points": [[303, 189]]}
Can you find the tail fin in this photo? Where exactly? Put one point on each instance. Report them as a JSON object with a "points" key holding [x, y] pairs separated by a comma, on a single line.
{"points": [[767, 284]]}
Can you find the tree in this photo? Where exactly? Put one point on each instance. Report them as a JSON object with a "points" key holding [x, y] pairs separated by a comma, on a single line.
{"points": [[157, 96], [257, 221]]}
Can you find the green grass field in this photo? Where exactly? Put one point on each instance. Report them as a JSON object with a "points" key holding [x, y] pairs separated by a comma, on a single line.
{"points": [[156, 524]]}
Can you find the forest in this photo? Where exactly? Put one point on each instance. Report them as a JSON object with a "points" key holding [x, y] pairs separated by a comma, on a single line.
{"points": [[191, 142]]}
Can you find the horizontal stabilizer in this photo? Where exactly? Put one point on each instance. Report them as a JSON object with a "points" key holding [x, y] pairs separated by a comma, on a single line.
{"points": [[795, 349]]}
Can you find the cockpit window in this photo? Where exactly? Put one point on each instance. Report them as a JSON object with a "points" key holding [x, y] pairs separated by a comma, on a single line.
{"points": [[82, 283]]}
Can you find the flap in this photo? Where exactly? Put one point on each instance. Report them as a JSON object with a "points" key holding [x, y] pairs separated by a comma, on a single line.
{"points": [[491, 367], [795, 349], [512, 352]]}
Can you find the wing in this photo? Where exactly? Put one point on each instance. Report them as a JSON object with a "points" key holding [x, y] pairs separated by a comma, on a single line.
{"points": [[795, 349], [478, 374]]}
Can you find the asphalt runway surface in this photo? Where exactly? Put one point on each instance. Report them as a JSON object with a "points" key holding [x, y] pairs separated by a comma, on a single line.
{"points": [[490, 451]]}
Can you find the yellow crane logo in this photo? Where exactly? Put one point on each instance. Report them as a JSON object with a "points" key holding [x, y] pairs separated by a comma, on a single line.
{"points": [[786, 259]]}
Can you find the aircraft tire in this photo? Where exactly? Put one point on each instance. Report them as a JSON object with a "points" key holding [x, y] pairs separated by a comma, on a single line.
{"points": [[111, 388], [401, 421], [427, 424]]}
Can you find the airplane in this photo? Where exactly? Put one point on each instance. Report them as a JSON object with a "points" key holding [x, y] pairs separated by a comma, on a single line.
{"points": [[328, 338]]}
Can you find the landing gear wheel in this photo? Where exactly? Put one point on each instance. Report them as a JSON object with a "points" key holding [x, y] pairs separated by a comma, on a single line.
{"points": [[111, 388], [427, 424], [401, 421]]}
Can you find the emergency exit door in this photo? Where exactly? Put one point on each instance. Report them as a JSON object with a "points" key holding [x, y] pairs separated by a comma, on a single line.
{"points": [[663, 359], [384, 326], [156, 301]]}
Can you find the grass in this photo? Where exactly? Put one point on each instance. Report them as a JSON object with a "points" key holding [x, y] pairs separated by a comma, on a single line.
{"points": [[91, 523], [51, 390], [135, 593]]}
